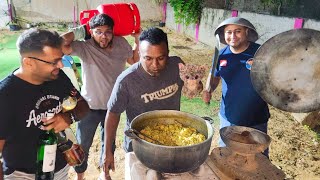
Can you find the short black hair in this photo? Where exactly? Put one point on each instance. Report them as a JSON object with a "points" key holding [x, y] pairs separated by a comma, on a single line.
{"points": [[101, 20], [34, 40], [154, 36]]}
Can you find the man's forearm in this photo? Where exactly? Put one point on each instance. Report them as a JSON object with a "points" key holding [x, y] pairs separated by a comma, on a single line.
{"points": [[110, 130], [77, 33], [136, 56], [135, 49]]}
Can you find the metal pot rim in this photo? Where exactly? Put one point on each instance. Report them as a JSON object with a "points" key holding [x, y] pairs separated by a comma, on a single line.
{"points": [[210, 129]]}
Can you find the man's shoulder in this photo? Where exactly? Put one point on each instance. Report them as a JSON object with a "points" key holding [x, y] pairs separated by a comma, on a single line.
{"points": [[62, 76], [79, 45], [223, 50], [253, 47], [120, 38], [130, 72], [8, 85], [120, 41], [6, 82]]}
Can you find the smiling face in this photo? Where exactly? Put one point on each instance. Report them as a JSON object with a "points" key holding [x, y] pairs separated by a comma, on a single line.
{"points": [[46, 66], [236, 36], [153, 57], [102, 35]]}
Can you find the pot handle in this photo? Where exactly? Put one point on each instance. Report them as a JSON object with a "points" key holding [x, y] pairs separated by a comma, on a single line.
{"points": [[209, 119], [130, 133]]}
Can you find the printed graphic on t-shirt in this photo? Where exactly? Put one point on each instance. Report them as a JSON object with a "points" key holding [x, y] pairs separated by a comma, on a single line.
{"points": [[50, 103], [249, 63], [223, 62], [161, 94]]}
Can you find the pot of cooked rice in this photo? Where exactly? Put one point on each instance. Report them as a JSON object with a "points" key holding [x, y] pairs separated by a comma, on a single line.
{"points": [[170, 141]]}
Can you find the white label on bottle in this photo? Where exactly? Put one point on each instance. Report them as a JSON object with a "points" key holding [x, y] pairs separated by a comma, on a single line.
{"points": [[49, 158]]}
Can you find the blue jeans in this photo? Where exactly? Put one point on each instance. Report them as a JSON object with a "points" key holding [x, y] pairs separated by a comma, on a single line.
{"points": [[85, 131], [262, 127]]}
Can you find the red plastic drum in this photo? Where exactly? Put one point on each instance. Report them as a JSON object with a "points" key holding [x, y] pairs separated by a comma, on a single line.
{"points": [[86, 15], [126, 17]]}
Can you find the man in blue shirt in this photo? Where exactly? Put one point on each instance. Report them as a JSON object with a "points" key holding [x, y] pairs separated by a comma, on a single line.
{"points": [[240, 103]]}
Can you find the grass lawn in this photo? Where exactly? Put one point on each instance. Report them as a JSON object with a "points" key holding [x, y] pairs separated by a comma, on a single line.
{"points": [[9, 56]]}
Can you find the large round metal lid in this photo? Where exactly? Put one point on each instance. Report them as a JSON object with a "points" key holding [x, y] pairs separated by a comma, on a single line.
{"points": [[286, 70]]}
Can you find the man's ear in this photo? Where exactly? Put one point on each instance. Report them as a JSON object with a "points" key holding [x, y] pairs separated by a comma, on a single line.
{"points": [[26, 62], [91, 32], [247, 32]]}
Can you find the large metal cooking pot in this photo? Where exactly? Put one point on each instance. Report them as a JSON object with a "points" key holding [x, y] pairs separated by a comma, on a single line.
{"points": [[171, 159]]}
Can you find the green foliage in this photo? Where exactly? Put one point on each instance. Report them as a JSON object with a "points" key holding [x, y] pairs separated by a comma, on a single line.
{"points": [[187, 11]]}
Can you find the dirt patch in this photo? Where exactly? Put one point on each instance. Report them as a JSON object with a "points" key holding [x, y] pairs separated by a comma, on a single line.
{"points": [[294, 148]]}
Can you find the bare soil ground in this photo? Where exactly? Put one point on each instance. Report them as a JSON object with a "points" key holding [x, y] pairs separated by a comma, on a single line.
{"points": [[294, 148]]}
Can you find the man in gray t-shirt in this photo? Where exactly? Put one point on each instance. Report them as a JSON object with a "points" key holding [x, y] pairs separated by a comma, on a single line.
{"points": [[103, 58], [151, 84]]}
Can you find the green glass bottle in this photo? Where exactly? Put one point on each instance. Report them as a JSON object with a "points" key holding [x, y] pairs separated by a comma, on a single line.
{"points": [[46, 156]]}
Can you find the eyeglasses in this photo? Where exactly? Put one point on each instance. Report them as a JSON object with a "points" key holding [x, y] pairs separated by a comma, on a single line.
{"points": [[107, 33], [52, 63]]}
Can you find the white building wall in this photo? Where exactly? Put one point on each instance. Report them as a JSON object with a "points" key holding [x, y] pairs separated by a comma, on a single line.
{"points": [[63, 10], [4, 18], [266, 25]]}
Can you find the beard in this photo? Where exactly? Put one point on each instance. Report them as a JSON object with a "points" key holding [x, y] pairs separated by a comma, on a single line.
{"points": [[102, 46], [54, 75]]}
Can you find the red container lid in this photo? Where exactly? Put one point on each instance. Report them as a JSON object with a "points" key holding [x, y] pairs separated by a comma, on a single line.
{"points": [[126, 17]]}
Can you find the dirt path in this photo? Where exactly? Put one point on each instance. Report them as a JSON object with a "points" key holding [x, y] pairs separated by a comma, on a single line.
{"points": [[294, 148]]}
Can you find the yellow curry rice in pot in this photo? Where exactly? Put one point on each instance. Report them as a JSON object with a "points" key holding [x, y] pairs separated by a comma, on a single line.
{"points": [[172, 135]]}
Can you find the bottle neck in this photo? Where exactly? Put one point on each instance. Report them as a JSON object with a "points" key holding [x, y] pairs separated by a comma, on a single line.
{"points": [[63, 142], [62, 137]]}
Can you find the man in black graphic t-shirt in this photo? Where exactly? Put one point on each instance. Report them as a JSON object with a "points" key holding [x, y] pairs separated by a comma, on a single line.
{"points": [[27, 96]]}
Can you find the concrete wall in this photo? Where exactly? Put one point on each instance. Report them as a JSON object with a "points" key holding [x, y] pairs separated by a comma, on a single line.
{"points": [[63, 10], [266, 25], [4, 19]]}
